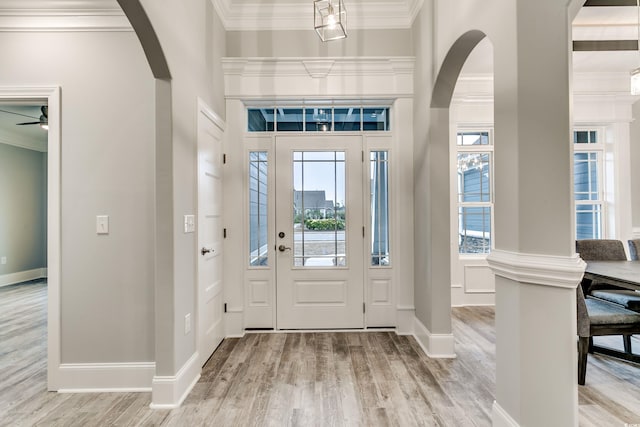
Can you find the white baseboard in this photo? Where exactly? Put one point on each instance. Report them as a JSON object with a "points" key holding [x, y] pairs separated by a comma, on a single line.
{"points": [[22, 276], [501, 418], [170, 391], [439, 346], [105, 377], [404, 320]]}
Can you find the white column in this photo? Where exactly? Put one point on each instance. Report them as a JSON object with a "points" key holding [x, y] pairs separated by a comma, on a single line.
{"points": [[534, 261]]}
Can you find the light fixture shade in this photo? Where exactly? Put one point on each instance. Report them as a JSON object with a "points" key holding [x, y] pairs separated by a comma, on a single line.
{"points": [[330, 19], [635, 81]]}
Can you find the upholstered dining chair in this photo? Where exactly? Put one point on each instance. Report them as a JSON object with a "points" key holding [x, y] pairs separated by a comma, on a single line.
{"points": [[634, 249], [608, 250], [598, 318]]}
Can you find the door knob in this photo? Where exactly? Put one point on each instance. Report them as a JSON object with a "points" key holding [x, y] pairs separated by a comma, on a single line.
{"points": [[205, 251], [283, 248]]}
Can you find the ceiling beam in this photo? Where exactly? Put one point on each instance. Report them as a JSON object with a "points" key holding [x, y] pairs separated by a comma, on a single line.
{"points": [[604, 45], [592, 3]]}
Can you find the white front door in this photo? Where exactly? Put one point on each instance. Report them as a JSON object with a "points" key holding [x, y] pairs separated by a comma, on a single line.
{"points": [[319, 232], [210, 297]]}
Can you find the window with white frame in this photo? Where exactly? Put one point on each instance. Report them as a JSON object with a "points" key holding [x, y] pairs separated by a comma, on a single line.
{"points": [[588, 184], [475, 191]]}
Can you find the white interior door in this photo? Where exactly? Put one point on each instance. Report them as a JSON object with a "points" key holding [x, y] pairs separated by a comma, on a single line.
{"points": [[319, 232], [210, 297]]}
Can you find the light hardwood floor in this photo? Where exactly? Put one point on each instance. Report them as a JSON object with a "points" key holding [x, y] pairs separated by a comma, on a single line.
{"points": [[334, 378]]}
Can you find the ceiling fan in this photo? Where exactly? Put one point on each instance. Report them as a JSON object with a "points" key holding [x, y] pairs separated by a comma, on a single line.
{"points": [[43, 121]]}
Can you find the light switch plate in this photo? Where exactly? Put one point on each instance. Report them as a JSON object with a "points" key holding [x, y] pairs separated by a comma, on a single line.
{"points": [[189, 223], [102, 224]]}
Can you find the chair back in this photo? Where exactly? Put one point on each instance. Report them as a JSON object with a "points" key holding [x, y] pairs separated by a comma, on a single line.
{"points": [[584, 324], [601, 250], [634, 249]]}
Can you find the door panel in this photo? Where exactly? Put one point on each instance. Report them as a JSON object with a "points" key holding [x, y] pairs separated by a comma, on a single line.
{"points": [[319, 237], [210, 248]]}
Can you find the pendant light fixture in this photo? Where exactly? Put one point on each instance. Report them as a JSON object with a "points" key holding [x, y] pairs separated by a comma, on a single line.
{"points": [[330, 19], [635, 74]]}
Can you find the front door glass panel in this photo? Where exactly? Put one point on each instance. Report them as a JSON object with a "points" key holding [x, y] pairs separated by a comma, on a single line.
{"points": [[319, 209]]}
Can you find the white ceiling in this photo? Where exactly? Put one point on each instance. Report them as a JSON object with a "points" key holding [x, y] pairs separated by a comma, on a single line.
{"points": [[26, 136], [298, 14]]}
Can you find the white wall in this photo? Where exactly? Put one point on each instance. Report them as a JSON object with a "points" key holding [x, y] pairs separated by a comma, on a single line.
{"points": [[23, 213], [107, 168], [635, 170]]}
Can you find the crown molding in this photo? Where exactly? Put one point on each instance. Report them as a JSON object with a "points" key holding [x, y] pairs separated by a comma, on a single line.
{"points": [[318, 67], [251, 15], [62, 15], [318, 78]]}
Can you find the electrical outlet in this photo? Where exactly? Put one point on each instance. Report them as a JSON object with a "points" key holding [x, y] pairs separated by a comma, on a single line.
{"points": [[187, 323], [3, 260]]}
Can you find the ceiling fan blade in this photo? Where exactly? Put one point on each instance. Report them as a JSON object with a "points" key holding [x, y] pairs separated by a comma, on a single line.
{"points": [[28, 123]]}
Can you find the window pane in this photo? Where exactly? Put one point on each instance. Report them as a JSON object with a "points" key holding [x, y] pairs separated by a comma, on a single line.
{"points": [[473, 138], [346, 119], [588, 220], [379, 208], [317, 119], [260, 119], [474, 230], [585, 175], [289, 119], [585, 137], [319, 209], [258, 245], [375, 119], [474, 177]]}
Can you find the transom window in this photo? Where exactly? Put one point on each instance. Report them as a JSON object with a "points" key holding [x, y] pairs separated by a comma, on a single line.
{"points": [[318, 119], [475, 191]]}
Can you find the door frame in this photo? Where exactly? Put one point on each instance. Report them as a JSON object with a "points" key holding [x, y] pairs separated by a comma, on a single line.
{"points": [[205, 110], [50, 94]]}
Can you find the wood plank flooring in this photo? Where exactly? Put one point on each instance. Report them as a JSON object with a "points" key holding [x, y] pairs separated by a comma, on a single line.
{"points": [[298, 379]]}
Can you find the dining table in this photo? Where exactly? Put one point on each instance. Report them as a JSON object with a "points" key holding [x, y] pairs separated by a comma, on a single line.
{"points": [[623, 274]]}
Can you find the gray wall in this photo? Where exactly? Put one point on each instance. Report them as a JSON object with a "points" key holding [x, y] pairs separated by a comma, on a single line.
{"points": [[424, 290], [107, 95], [308, 44], [192, 39], [635, 167], [23, 205]]}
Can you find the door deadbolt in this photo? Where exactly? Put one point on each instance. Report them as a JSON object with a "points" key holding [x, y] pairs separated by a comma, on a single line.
{"points": [[281, 234]]}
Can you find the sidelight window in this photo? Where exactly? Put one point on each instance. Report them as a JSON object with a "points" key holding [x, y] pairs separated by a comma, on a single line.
{"points": [[379, 170], [258, 192]]}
